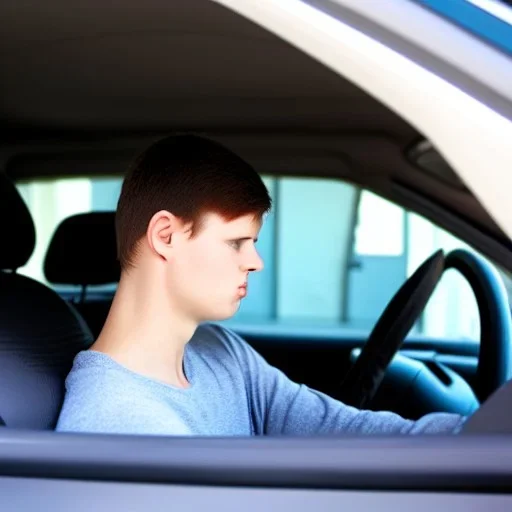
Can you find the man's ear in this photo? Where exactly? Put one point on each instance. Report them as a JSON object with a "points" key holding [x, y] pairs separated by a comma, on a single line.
{"points": [[159, 234]]}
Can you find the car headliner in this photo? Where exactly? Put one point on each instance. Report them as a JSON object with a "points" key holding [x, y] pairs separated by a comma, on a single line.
{"points": [[87, 85]]}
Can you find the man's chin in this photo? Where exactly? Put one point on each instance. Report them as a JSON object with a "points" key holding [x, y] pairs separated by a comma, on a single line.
{"points": [[224, 314]]}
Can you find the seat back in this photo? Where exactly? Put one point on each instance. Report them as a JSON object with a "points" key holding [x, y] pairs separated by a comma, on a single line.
{"points": [[39, 333]]}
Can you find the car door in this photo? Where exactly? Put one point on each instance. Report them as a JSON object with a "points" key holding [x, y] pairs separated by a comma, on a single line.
{"points": [[58, 472]]}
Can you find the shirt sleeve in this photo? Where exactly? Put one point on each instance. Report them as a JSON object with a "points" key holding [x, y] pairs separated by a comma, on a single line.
{"points": [[280, 406]]}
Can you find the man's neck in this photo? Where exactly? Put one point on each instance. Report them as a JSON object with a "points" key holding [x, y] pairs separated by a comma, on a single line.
{"points": [[144, 332]]}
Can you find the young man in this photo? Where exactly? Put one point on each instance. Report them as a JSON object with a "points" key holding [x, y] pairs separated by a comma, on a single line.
{"points": [[187, 223]]}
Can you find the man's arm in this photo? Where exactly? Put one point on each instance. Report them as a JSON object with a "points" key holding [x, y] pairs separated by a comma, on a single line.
{"points": [[283, 407]]}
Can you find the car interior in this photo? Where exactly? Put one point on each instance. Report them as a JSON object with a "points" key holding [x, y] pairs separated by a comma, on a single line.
{"points": [[82, 99]]}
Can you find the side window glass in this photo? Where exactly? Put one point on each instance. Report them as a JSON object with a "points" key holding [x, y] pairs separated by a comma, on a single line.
{"points": [[390, 244], [335, 255], [305, 245], [50, 201], [377, 265]]}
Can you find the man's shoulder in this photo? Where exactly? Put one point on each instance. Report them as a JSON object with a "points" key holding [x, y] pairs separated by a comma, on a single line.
{"points": [[96, 372], [102, 398], [95, 381]]}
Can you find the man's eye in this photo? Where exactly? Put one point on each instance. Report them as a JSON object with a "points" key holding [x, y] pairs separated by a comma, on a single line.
{"points": [[236, 244]]}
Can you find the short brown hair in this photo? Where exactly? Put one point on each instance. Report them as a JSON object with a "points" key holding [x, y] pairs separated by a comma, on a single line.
{"points": [[188, 176]]}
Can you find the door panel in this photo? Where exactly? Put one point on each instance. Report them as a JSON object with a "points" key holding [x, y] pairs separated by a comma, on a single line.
{"points": [[23, 494], [54, 471]]}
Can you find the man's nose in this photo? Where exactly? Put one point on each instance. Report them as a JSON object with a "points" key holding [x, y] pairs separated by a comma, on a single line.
{"points": [[254, 263]]}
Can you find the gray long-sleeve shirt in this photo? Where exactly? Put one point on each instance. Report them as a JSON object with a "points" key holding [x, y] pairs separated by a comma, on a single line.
{"points": [[233, 392]]}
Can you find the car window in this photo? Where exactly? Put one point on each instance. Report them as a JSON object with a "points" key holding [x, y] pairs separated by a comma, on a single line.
{"points": [[334, 254], [50, 201]]}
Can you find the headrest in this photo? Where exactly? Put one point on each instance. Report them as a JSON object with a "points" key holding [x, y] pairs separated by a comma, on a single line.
{"points": [[83, 251], [17, 230]]}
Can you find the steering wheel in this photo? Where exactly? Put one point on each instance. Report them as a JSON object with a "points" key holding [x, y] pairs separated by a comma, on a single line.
{"points": [[404, 309]]}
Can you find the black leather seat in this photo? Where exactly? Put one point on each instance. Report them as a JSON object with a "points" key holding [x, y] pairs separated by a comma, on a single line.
{"points": [[93, 263], [40, 333]]}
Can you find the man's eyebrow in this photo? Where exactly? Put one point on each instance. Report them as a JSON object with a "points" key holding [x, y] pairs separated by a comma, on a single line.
{"points": [[243, 238]]}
